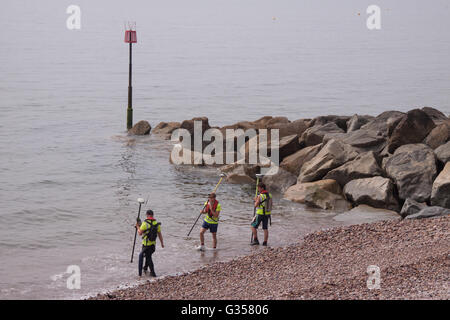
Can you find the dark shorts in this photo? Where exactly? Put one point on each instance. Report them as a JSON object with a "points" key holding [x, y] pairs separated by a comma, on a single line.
{"points": [[211, 226], [261, 218]]}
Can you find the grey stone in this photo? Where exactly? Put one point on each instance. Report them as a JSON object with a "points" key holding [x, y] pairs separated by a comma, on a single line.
{"points": [[357, 121], [332, 155], [411, 207], [377, 192], [294, 162], [440, 193], [430, 212], [363, 166], [277, 179], [443, 152], [413, 168], [314, 135], [414, 126]]}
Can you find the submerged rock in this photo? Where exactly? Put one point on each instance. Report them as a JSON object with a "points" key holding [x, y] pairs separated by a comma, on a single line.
{"points": [[165, 129]]}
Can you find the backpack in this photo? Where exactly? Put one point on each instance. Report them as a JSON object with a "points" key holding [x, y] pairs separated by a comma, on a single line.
{"points": [[267, 202], [151, 233]]}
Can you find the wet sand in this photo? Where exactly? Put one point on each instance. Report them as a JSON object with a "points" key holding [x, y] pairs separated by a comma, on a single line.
{"points": [[412, 255]]}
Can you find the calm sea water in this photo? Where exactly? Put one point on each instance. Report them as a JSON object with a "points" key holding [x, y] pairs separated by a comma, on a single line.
{"points": [[69, 175]]}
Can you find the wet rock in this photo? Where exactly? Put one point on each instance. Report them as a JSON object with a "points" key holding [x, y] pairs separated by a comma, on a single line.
{"points": [[377, 192], [443, 152], [332, 155], [413, 168], [440, 193], [435, 115], [363, 166], [366, 214], [314, 135], [298, 192], [295, 161], [411, 207], [383, 124], [357, 121], [412, 128], [430, 212], [439, 135], [278, 179], [165, 129], [141, 128]]}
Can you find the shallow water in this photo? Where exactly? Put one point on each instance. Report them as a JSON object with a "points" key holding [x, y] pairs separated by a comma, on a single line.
{"points": [[69, 176]]}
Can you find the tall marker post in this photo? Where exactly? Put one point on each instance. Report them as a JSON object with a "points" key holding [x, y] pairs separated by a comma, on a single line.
{"points": [[130, 37]]}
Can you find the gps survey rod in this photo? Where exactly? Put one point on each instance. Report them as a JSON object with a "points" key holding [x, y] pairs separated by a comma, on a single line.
{"points": [[141, 201], [223, 175], [258, 175]]}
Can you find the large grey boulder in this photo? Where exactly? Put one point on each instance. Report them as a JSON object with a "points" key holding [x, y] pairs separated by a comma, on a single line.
{"points": [[414, 126], [443, 152], [332, 155], [357, 121], [363, 166], [314, 135], [413, 168], [377, 192], [294, 162], [278, 179], [383, 124], [430, 212], [411, 207], [298, 192], [440, 193], [439, 135], [141, 128]]}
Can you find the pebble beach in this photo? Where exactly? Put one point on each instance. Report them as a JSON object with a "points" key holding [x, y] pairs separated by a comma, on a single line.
{"points": [[412, 256]]}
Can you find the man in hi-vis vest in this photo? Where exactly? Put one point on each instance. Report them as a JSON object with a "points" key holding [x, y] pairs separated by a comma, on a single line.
{"points": [[211, 221], [263, 205]]}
